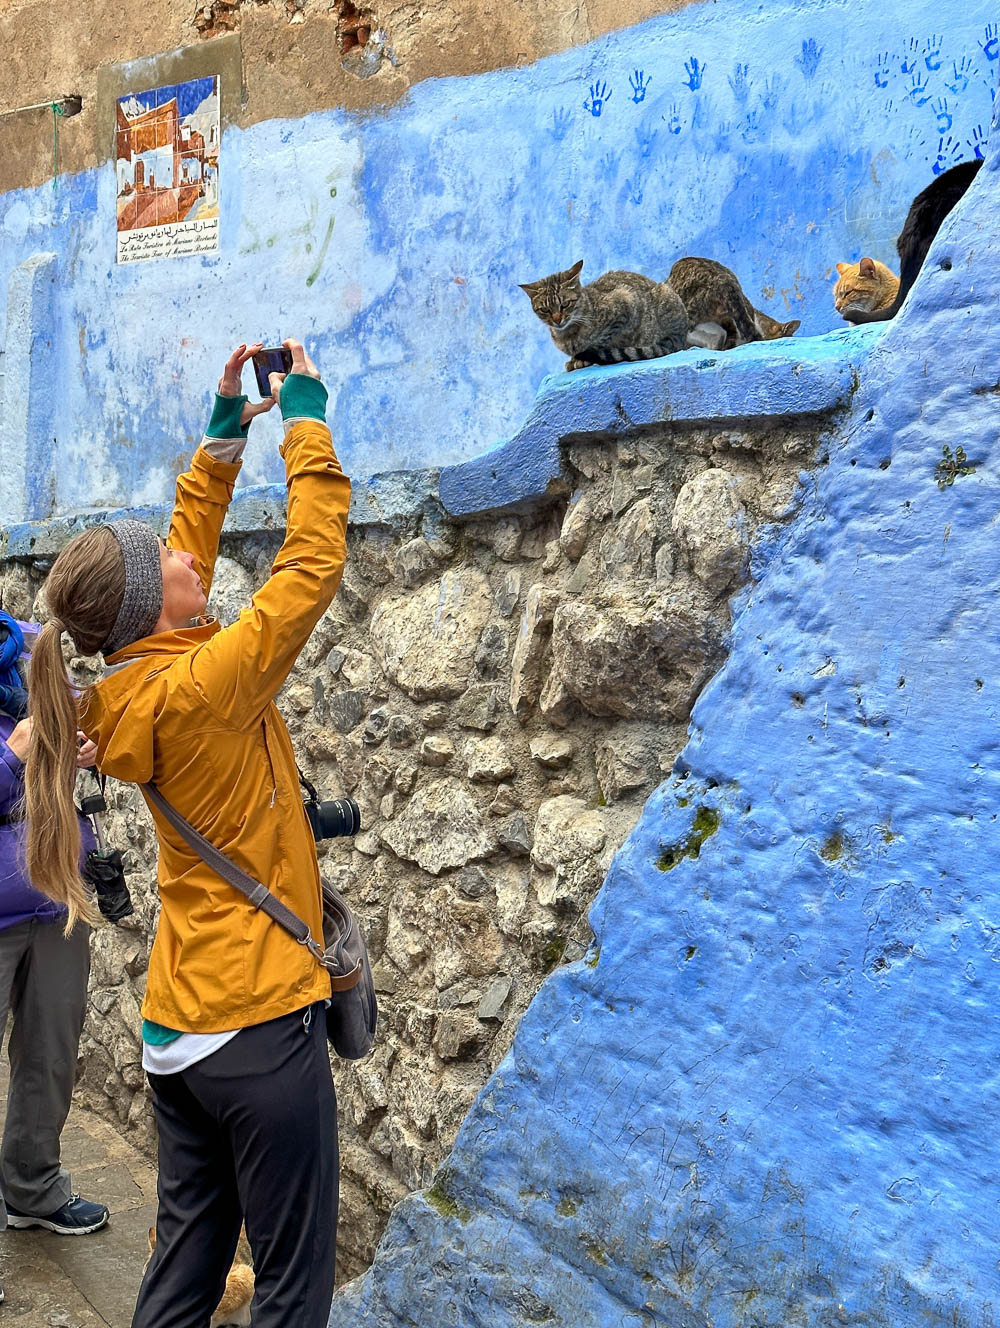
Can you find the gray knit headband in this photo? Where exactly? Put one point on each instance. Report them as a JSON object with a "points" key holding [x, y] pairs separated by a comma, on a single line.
{"points": [[142, 601]]}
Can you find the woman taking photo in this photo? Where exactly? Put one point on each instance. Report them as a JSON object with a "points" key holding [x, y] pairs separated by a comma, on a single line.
{"points": [[234, 1034]]}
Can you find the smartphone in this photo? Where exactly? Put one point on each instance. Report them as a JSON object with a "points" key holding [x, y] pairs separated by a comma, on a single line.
{"points": [[272, 359]]}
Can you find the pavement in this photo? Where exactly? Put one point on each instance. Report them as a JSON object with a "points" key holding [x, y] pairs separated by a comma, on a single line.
{"points": [[83, 1281]]}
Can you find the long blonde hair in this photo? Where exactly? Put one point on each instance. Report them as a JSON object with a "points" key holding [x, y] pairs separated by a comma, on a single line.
{"points": [[84, 591]]}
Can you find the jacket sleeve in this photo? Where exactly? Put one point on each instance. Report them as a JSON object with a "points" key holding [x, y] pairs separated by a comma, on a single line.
{"points": [[11, 779], [205, 489], [242, 668]]}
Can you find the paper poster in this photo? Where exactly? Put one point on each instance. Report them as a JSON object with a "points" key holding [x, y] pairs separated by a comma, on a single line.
{"points": [[167, 168]]}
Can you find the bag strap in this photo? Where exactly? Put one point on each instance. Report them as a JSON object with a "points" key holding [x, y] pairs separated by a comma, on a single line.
{"points": [[259, 895]]}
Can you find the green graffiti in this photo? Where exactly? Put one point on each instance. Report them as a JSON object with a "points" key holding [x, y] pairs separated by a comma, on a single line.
{"points": [[322, 253]]}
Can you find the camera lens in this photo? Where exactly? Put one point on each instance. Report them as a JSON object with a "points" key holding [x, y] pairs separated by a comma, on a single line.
{"points": [[338, 817]]}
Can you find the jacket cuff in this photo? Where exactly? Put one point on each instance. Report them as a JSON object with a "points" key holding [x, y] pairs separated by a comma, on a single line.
{"points": [[216, 466], [302, 398], [13, 763], [225, 438]]}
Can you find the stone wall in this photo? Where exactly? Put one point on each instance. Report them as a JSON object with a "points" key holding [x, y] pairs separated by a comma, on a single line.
{"points": [[501, 695]]}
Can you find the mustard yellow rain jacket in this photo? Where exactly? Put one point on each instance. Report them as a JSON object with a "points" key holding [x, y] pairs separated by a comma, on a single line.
{"points": [[194, 712]]}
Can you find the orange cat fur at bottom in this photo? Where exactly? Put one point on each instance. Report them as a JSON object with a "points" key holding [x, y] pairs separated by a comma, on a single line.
{"points": [[233, 1310], [868, 285]]}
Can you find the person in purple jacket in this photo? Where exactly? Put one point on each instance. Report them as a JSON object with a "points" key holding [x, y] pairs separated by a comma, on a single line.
{"points": [[43, 987]]}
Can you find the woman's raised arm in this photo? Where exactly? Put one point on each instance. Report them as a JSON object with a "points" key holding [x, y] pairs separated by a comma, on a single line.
{"points": [[205, 489]]}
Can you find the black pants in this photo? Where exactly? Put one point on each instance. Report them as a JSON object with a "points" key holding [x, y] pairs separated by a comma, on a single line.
{"points": [[250, 1133]]}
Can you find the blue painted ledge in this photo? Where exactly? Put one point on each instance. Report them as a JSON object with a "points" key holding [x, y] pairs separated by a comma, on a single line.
{"points": [[765, 380]]}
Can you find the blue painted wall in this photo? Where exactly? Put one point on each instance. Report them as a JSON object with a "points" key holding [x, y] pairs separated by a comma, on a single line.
{"points": [[768, 1096], [779, 139]]}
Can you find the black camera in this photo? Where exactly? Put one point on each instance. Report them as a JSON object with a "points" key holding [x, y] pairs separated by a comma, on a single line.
{"points": [[104, 871], [103, 868], [331, 818]]}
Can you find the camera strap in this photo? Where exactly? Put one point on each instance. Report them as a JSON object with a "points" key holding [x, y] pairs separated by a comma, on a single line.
{"points": [[258, 894]]}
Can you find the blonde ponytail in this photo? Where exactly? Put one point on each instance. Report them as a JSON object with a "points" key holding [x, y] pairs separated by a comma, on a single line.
{"points": [[52, 853], [84, 591]]}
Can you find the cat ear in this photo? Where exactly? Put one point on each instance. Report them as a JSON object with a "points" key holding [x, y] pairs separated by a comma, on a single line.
{"points": [[790, 329], [574, 271], [866, 267], [529, 287], [842, 268]]}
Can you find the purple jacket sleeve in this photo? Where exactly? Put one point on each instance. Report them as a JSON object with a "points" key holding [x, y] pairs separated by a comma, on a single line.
{"points": [[11, 779]]}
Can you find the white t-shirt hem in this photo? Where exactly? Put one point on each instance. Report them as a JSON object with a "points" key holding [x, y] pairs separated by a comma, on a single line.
{"points": [[183, 1052]]}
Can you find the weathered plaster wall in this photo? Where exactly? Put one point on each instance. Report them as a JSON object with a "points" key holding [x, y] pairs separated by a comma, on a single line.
{"points": [[765, 1096], [294, 57], [394, 237]]}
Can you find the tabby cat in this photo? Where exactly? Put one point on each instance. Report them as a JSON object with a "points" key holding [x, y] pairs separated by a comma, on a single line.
{"points": [[927, 211], [713, 296], [233, 1310], [620, 316], [866, 286]]}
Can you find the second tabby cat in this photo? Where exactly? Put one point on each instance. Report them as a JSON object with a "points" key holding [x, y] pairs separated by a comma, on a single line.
{"points": [[712, 294], [620, 316], [233, 1310]]}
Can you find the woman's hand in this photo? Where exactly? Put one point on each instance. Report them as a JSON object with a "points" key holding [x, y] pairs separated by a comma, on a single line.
{"points": [[20, 738], [231, 382], [87, 755], [301, 364]]}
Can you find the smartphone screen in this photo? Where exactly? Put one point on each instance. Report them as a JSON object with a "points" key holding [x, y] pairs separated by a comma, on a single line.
{"points": [[272, 359]]}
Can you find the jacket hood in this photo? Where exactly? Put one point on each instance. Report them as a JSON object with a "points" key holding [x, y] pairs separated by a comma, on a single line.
{"points": [[121, 710]]}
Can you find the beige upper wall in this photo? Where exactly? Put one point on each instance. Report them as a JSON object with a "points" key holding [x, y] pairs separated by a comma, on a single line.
{"points": [[290, 52]]}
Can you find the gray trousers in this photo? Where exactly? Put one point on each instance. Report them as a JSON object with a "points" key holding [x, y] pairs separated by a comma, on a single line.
{"points": [[43, 986]]}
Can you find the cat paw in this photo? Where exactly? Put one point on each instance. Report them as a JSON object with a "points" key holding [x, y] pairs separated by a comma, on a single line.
{"points": [[575, 364]]}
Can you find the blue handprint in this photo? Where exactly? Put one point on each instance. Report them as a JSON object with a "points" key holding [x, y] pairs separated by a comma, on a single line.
{"points": [[608, 166], [991, 46], [961, 74], [918, 91], [932, 53], [949, 152], [695, 73], [599, 94], [674, 119], [639, 84], [633, 192], [908, 62], [739, 83], [882, 71], [793, 119], [944, 116], [720, 137], [977, 141], [751, 131], [645, 140], [772, 91], [912, 139], [808, 61], [560, 124]]}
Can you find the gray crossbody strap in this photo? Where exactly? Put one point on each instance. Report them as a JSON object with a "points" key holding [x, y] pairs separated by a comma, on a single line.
{"points": [[259, 895]]}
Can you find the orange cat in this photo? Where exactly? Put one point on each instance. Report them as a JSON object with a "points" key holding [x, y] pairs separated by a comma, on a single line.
{"points": [[865, 286], [233, 1310]]}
